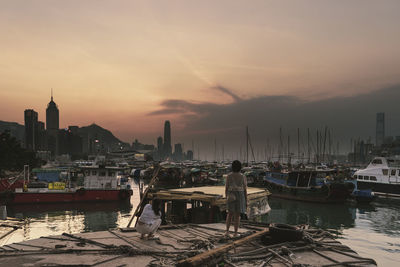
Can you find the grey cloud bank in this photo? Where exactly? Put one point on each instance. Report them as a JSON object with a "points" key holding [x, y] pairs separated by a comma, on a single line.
{"points": [[347, 117]]}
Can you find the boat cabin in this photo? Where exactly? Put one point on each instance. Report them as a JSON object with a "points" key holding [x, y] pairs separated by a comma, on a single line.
{"points": [[102, 177], [301, 178], [380, 170]]}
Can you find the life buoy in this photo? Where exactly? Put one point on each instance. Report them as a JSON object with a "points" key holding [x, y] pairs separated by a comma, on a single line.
{"points": [[285, 232]]}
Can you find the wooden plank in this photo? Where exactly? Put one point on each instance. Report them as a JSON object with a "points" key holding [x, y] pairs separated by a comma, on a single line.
{"points": [[208, 256], [213, 190], [153, 180]]}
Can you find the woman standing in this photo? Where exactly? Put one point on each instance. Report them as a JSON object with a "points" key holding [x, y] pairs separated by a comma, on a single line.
{"points": [[150, 219], [236, 196]]}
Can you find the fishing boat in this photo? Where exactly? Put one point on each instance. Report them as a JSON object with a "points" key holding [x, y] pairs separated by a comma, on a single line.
{"points": [[308, 185], [382, 176], [99, 183]]}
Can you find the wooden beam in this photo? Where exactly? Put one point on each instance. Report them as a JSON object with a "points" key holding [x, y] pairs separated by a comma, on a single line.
{"points": [[208, 256], [152, 181]]}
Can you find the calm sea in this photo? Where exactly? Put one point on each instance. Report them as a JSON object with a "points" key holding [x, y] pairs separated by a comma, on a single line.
{"points": [[371, 230]]}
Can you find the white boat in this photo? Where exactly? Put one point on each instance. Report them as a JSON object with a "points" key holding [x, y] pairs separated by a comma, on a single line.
{"points": [[382, 175]]}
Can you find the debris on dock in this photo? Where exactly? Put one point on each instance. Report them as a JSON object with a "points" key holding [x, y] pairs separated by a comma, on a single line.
{"points": [[187, 245]]}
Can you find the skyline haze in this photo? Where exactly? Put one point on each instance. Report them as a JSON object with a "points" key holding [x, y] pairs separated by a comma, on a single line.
{"points": [[210, 68]]}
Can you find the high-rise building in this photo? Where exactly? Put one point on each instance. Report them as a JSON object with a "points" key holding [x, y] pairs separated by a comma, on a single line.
{"points": [[31, 129], [178, 152], [41, 143], [69, 142], [380, 128], [167, 139], [159, 154], [159, 144], [52, 116], [189, 155], [52, 126]]}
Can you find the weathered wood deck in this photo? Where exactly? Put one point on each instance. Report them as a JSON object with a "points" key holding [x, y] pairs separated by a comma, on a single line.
{"points": [[180, 245]]}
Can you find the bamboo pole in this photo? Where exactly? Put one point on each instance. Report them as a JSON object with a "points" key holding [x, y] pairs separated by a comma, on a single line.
{"points": [[9, 232], [208, 256], [152, 181]]}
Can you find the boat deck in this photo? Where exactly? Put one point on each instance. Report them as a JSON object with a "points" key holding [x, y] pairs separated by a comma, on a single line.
{"points": [[181, 245]]}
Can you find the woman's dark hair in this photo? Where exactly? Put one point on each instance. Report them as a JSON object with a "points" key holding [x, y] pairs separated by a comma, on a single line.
{"points": [[155, 205], [236, 166]]}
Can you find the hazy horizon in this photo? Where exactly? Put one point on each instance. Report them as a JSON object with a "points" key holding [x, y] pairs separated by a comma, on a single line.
{"points": [[211, 68]]}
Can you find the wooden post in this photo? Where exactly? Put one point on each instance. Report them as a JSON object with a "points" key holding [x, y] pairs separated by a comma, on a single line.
{"points": [[207, 256], [153, 179]]}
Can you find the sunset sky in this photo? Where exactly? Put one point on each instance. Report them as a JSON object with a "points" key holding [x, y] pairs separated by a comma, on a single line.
{"points": [[130, 65]]}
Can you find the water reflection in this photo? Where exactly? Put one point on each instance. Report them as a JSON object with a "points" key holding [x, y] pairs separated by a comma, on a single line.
{"points": [[326, 216], [385, 218], [55, 219], [373, 230]]}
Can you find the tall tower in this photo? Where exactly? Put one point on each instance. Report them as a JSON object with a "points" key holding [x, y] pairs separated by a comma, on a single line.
{"points": [[160, 147], [31, 129], [380, 128], [52, 115], [167, 139], [52, 126]]}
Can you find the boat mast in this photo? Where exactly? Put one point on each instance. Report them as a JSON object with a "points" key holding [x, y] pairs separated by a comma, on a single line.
{"points": [[288, 149], [317, 154], [280, 144], [308, 145], [247, 145], [215, 149], [329, 145], [298, 144], [323, 152]]}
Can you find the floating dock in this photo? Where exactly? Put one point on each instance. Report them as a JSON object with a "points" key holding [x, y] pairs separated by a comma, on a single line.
{"points": [[183, 245]]}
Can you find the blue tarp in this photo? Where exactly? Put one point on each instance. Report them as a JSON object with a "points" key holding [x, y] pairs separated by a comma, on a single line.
{"points": [[48, 176]]}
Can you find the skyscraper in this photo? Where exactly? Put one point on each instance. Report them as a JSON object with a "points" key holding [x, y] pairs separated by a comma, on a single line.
{"points": [[52, 126], [159, 147], [31, 129], [380, 128], [178, 152], [52, 115], [167, 139]]}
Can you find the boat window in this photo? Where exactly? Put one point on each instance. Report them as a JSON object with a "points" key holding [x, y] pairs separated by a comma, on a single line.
{"points": [[111, 174], [102, 173], [372, 178], [94, 172], [385, 171], [366, 177], [355, 176], [377, 161], [393, 172], [87, 172]]}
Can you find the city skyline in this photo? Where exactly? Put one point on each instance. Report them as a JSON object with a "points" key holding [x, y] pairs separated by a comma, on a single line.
{"points": [[209, 68]]}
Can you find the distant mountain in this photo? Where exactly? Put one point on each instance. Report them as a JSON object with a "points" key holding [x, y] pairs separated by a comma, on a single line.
{"points": [[17, 130], [94, 131]]}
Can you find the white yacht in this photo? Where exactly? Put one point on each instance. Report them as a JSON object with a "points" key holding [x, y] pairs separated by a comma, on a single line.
{"points": [[382, 175]]}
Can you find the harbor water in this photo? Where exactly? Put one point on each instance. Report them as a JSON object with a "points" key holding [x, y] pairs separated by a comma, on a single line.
{"points": [[371, 230]]}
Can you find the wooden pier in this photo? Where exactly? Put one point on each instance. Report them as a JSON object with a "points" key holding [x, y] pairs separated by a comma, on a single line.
{"points": [[183, 245]]}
